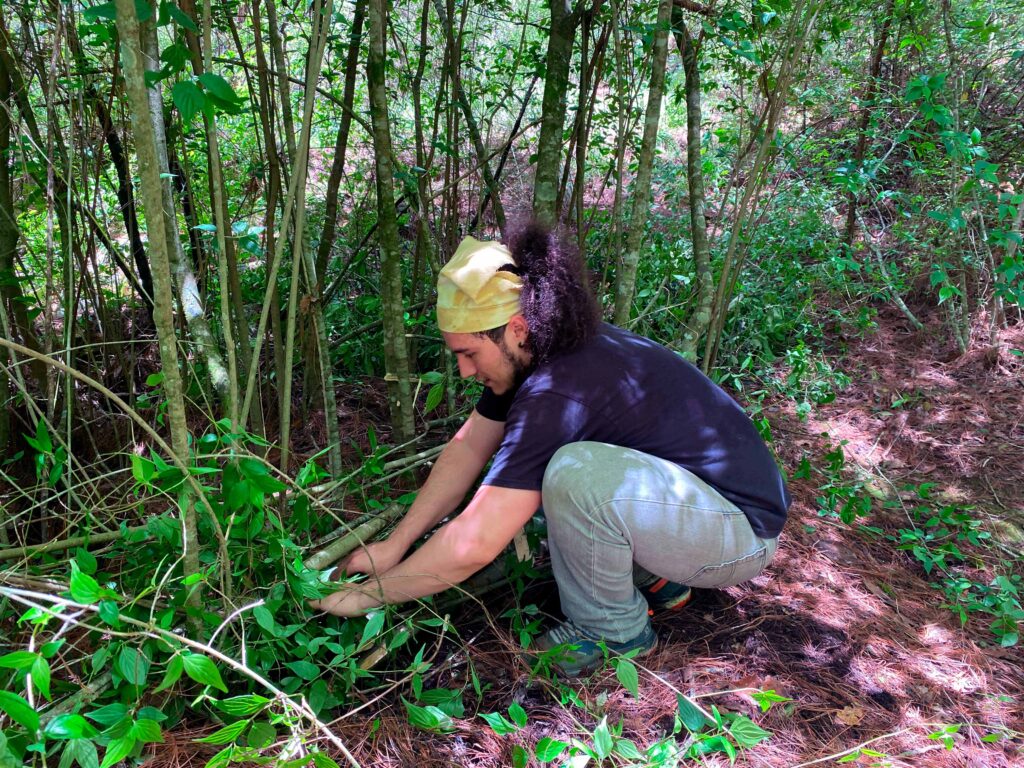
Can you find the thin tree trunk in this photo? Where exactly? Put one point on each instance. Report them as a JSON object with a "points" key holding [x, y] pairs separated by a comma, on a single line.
{"points": [[860, 151], [467, 112], [700, 319], [322, 15], [152, 193], [625, 281], [395, 350], [340, 145], [556, 84]]}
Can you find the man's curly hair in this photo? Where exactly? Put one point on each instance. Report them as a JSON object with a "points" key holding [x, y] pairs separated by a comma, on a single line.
{"points": [[559, 308]]}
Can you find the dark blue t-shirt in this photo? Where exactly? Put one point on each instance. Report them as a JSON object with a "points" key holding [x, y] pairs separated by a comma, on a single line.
{"points": [[626, 390]]}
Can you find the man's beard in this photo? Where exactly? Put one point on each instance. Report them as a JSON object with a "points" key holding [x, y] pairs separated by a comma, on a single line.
{"points": [[520, 370]]}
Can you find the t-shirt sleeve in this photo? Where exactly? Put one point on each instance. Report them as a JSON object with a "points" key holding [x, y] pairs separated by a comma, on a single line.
{"points": [[536, 427], [494, 407]]}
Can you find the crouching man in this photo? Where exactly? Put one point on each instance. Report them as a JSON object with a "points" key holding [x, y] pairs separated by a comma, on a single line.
{"points": [[652, 479]]}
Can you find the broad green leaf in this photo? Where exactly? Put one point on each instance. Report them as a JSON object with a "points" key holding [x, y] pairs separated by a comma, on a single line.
{"points": [[320, 760], [86, 560], [746, 732], [188, 99], [202, 670], [518, 714], [627, 749], [226, 734], [109, 613], [101, 11], [520, 757], [69, 727], [691, 717], [428, 718], [179, 16], [262, 734], [218, 86], [84, 588], [81, 751], [549, 749], [626, 672], [243, 705], [374, 624], [304, 669], [18, 659], [19, 710], [434, 396], [602, 739], [108, 715], [146, 731], [133, 665], [117, 750], [175, 666], [498, 723], [40, 673]]}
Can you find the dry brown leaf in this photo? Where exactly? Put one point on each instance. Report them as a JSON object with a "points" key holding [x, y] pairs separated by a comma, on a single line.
{"points": [[850, 715]]}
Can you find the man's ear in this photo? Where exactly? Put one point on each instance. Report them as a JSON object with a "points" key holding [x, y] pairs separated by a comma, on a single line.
{"points": [[519, 329]]}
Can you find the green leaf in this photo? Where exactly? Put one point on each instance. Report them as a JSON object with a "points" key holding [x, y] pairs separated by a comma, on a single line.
{"points": [[109, 613], [188, 99], [746, 732], [18, 659], [626, 672], [262, 734], [320, 760], [155, 379], [81, 751], [86, 560], [108, 715], [374, 624], [243, 705], [304, 669], [147, 731], [69, 727], [174, 12], [602, 739], [84, 588], [117, 750], [175, 666], [133, 665], [434, 396], [226, 734], [498, 723], [202, 670], [41, 676], [549, 749], [627, 749], [518, 714], [691, 717], [520, 757], [428, 718], [101, 11], [218, 86], [19, 710]]}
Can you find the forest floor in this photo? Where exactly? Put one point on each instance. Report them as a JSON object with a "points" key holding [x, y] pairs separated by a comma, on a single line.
{"points": [[849, 628]]}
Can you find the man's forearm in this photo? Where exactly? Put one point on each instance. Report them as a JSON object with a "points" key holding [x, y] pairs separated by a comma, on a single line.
{"points": [[457, 468]]}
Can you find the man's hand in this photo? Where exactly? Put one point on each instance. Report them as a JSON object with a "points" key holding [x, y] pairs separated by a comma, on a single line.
{"points": [[351, 600], [376, 558]]}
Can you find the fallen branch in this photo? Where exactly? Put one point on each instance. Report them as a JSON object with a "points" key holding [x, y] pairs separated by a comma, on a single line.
{"points": [[355, 538], [75, 541]]}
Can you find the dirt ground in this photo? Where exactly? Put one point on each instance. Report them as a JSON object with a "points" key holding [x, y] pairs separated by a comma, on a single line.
{"points": [[843, 624]]}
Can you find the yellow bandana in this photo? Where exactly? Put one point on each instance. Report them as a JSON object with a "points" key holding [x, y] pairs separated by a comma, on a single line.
{"points": [[473, 292]]}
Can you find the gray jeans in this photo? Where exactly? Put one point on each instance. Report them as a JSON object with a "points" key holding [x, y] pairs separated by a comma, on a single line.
{"points": [[616, 516]]}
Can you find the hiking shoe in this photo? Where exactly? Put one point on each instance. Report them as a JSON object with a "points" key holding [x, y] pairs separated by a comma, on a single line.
{"points": [[574, 652], [665, 595]]}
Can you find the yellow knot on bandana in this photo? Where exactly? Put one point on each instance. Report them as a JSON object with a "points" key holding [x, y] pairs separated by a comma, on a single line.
{"points": [[474, 293]]}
